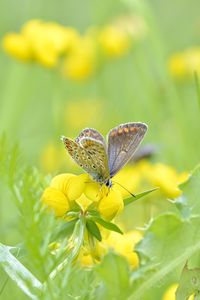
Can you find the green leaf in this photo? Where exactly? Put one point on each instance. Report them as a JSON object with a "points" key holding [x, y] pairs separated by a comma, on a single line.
{"points": [[107, 225], [114, 274], [138, 196], [93, 229], [169, 241], [64, 230], [189, 283], [26, 281], [76, 240]]}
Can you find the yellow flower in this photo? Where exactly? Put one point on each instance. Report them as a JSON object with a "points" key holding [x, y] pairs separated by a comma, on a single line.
{"points": [[177, 65], [121, 244], [184, 64], [50, 157], [170, 293], [65, 189], [80, 63], [56, 200], [111, 204], [74, 117], [124, 245], [129, 178], [132, 24], [17, 46], [167, 179], [49, 40], [113, 41]]}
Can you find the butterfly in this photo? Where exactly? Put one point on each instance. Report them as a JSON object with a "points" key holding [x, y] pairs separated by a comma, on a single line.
{"points": [[103, 160]]}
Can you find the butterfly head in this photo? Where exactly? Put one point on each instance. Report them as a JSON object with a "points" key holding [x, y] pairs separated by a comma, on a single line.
{"points": [[108, 183]]}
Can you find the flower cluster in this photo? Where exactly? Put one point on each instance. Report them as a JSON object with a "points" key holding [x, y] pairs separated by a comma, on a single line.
{"points": [[146, 174], [68, 190], [121, 244], [70, 195], [77, 56], [184, 64]]}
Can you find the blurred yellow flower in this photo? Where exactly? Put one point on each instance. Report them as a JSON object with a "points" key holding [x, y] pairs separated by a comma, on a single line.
{"points": [[48, 40], [132, 24], [76, 56], [185, 63], [170, 293], [17, 46], [75, 118], [124, 245], [121, 244], [167, 179], [65, 189], [113, 41], [177, 66], [129, 179], [80, 63]]}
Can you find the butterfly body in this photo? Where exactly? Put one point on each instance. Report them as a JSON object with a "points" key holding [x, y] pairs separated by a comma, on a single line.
{"points": [[102, 161]]}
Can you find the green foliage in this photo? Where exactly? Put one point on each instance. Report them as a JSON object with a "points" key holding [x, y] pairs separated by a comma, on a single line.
{"points": [[114, 274], [108, 225], [189, 283], [138, 196], [169, 241], [93, 229]]}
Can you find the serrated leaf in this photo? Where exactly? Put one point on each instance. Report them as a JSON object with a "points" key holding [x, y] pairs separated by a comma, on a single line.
{"points": [[114, 274], [169, 241], [26, 281], [93, 229], [189, 283], [138, 196], [107, 225]]}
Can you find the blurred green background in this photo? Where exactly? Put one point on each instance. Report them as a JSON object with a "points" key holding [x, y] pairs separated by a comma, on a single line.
{"points": [[37, 105]]}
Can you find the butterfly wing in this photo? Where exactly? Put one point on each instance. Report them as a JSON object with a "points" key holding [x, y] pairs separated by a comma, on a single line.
{"points": [[92, 133], [89, 154], [98, 152], [123, 141]]}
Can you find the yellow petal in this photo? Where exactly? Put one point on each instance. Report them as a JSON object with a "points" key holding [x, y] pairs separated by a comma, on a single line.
{"points": [[124, 245], [93, 191], [111, 204], [56, 201], [76, 186], [129, 180], [83, 202], [61, 181]]}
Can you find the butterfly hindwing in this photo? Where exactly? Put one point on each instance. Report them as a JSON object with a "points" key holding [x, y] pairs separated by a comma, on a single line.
{"points": [[97, 150], [92, 133], [90, 155], [80, 155], [123, 141]]}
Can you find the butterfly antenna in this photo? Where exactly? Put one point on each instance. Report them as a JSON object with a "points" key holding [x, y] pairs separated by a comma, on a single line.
{"points": [[124, 188]]}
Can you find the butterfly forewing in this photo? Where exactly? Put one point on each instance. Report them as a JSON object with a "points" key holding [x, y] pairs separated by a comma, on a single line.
{"points": [[123, 141]]}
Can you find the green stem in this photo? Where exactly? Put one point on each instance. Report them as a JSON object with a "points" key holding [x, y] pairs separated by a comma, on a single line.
{"points": [[77, 240]]}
